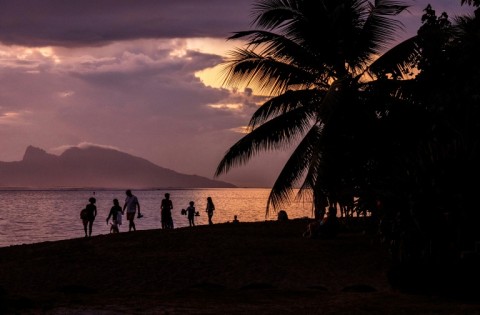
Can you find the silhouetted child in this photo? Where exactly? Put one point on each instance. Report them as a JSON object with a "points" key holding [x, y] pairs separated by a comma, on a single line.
{"points": [[115, 213], [235, 220], [191, 213]]}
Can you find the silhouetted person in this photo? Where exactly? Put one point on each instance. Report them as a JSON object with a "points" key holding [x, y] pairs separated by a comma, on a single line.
{"points": [[235, 220], [325, 228], [330, 225], [131, 204], [91, 210], [210, 208], [319, 213], [282, 215], [166, 212], [115, 213], [191, 213]]}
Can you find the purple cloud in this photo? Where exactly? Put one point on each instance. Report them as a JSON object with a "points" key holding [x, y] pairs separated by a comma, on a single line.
{"points": [[98, 22]]}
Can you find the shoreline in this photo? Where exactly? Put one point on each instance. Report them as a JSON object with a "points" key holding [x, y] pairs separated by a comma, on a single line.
{"points": [[256, 267], [30, 217]]}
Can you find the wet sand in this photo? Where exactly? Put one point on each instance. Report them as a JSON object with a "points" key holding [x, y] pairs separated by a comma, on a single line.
{"points": [[248, 268]]}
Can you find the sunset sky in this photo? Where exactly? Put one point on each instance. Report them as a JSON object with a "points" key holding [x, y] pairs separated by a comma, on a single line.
{"points": [[136, 76]]}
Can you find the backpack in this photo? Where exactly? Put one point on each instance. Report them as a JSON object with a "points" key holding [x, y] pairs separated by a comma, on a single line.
{"points": [[83, 214]]}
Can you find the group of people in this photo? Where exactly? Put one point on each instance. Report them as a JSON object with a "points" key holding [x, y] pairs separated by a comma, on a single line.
{"points": [[132, 207], [167, 206], [191, 212], [131, 204]]}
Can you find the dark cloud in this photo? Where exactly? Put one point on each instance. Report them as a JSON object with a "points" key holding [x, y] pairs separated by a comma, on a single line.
{"points": [[97, 22]]}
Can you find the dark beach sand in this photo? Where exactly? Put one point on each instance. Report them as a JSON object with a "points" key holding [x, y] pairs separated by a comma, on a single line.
{"points": [[250, 268]]}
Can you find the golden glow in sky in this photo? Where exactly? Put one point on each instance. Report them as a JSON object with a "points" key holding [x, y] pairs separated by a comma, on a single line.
{"points": [[10, 118]]}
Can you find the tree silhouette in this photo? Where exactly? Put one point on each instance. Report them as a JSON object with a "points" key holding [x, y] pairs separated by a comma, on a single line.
{"points": [[395, 129], [330, 93], [438, 177]]}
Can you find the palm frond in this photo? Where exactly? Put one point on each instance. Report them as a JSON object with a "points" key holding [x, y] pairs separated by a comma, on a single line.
{"points": [[399, 61], [284, 49], [313, 186], [273, 14], [275, 134], [397, 90], [269, 75], [475, 3], [286, 102], [297, 165], [377, 31], [331, 98]]}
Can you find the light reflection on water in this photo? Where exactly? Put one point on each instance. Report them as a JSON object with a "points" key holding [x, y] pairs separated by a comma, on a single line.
{"points": [[37, 216]]}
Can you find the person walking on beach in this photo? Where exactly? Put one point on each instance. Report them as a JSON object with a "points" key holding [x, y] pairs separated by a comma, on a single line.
{"points": [[191, 213], [131, 204], [210, 208], [91, 213], [166, 212], [115, 213]]}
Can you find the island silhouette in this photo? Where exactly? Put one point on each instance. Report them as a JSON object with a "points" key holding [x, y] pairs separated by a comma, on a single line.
{"points": [[94, 168]]}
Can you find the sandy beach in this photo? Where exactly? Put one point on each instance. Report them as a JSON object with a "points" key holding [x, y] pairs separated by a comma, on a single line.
{"points": [[247, 268]]}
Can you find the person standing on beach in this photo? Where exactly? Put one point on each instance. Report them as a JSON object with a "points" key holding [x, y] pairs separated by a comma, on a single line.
{"points": [[131, 204], [91, 210], [191, 213], [166, 212], [115, 213], [210, 208]]}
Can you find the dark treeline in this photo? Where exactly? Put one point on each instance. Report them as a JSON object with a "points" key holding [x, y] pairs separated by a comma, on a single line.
{"points": [[394, 132]]}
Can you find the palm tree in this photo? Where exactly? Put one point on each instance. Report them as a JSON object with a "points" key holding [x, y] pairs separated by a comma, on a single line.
{"points": [[330, 93]]}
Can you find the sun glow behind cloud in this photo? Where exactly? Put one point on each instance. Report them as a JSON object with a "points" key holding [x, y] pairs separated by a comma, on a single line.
{"points": [[30, 59], [11, 118], [242, 129], [48, 52], [226, 106], [214, 76]]}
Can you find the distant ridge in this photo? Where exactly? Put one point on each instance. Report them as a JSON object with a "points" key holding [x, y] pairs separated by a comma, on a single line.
{"points": [[94, 167]]}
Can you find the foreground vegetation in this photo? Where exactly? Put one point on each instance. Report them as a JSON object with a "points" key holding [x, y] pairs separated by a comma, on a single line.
{"points": [[395, 132]]}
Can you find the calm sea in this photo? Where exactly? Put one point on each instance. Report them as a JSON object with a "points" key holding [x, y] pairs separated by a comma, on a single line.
{"points": [[48, 215]]}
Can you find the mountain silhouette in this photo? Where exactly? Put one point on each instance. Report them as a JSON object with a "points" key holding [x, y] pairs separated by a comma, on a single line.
{"points": [[94, 167]]}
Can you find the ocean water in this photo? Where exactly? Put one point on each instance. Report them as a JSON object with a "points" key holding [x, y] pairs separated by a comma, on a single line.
{"points": [[28, 216]]}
